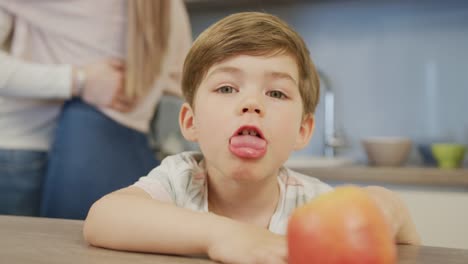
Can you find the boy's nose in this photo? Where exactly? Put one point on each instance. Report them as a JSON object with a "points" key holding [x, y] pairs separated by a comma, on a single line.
{"points": [[252, 109], [252, 106]]}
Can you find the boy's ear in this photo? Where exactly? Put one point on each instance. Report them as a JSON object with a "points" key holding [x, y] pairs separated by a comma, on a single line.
{"points": [[305, 132], [187, 123]]}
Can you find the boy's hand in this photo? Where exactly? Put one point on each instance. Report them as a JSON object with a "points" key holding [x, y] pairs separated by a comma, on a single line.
{"points": [[396, 214], [246, 244]]}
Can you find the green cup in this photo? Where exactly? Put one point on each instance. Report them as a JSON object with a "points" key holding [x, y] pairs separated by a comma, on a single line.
{"points": [[448, 156]]}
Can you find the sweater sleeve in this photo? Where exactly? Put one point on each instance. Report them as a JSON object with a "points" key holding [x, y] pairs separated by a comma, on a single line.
{"points": [[19, 78]]}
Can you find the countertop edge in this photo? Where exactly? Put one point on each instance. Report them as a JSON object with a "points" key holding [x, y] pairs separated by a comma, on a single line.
{"points": [[415, 176]]}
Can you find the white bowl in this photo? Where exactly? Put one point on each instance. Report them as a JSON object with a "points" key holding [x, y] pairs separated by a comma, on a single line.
{"points": [[387, 151]]}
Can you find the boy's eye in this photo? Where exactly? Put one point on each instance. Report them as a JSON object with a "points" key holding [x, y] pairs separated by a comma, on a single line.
{"points": [[276, 94], [225, 89]]}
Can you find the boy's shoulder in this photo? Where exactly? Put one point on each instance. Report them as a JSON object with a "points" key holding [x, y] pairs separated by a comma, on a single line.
{"points": [[186, 157], [178, 167], [175, 177], [306, 183], [181, 161]]}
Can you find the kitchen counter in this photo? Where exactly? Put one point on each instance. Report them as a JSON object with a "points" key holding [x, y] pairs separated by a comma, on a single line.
{"points": [[43, 240], [415, 176], [437, 199]]}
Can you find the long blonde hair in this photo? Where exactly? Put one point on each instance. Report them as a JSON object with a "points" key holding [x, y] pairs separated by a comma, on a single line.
{"points": [[147, 40]]}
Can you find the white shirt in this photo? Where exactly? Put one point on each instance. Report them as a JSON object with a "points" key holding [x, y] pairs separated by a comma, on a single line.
{"points": [[182, 180], [54, 35]]}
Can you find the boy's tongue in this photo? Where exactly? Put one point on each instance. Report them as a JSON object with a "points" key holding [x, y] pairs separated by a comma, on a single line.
{"points": [[246, 146]]}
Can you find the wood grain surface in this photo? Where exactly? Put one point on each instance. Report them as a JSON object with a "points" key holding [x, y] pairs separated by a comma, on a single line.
{"points": [[42, 240]]}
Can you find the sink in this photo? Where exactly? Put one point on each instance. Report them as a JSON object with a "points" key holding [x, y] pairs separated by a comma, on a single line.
{"points": [[317, 162]]}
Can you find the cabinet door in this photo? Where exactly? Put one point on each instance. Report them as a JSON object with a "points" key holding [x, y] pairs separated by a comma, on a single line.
{"points": [[441, 217]]}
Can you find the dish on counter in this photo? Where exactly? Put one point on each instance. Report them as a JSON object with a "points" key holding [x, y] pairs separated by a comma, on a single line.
{"points": [[387, 151], [448, 156]]}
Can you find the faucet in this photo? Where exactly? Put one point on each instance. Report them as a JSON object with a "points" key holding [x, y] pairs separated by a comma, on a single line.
{"points": [[332, 140]]}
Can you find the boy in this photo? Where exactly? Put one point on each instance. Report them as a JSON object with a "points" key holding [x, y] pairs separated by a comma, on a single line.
{"points": [[251, 91]]}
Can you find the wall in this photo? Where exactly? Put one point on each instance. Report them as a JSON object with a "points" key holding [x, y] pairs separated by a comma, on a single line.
{"points": [[398, 68]]}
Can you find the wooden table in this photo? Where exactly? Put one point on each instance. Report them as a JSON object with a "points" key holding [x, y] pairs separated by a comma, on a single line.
{"points": [[42, 240]]}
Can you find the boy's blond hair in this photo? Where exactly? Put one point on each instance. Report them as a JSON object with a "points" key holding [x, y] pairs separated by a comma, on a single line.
{"points": [[250, 33]]}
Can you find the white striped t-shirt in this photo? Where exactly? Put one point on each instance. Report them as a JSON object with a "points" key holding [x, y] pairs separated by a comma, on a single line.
{"points": [[181, 179]]}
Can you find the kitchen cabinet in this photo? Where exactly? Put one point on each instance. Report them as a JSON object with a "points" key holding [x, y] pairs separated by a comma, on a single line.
{"points": [[437, 199], [441, 216]]}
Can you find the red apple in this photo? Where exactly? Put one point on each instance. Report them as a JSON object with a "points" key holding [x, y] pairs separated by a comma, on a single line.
{"points": [[344, 226]]}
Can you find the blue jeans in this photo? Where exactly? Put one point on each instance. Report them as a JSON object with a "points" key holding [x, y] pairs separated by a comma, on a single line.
{"points": [[91, 156], [21, 175]]}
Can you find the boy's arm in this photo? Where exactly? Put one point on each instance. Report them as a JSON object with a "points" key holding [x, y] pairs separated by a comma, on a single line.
{"points": [[129, 219], [396, 214]]}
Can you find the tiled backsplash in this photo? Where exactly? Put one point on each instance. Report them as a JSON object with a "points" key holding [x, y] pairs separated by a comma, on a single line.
{"points": [[396, 68]]}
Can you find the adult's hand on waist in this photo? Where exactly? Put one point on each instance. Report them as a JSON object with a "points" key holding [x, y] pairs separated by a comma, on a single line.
{"points": [[103, 85]]}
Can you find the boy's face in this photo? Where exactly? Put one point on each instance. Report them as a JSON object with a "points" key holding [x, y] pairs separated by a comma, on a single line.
{"points": [[247, 116]]}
